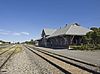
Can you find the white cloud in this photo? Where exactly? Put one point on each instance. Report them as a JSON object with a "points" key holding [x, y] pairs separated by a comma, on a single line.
{"points": [[5, 32], [17, 34], [25, 33]]}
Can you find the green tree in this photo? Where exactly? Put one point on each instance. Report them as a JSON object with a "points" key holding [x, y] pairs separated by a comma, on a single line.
{"points": [[92, 37]]}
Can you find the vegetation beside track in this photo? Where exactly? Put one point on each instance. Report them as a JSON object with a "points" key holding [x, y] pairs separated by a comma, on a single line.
{"points": [[91, 41], [18, 49]]}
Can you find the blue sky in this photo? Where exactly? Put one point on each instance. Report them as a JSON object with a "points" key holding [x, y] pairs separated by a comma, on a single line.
{"points": [[22, 20]]}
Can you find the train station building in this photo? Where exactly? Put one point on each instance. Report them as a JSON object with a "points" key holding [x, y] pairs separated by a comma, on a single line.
{"points": [[63, 37]]}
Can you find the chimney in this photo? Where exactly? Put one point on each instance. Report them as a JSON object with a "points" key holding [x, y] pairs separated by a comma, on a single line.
{"points": [[77, 24], [66, 24]]}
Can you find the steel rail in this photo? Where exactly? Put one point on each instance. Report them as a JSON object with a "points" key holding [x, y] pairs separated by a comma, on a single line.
{"points": [[81, 67], [7, 59], [6, 50]]}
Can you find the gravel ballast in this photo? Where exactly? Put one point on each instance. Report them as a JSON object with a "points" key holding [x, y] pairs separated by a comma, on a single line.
{"points": [[26, 62]]}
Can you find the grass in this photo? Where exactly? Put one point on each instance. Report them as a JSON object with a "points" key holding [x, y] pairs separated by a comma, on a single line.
{"points": [[18, 49], [86, 47]]}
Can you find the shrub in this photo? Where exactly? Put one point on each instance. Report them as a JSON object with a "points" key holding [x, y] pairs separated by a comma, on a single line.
{"points": [[86, 47], [97, 47]]}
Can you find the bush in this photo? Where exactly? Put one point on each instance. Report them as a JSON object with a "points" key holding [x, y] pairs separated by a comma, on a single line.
{"points": [[86, 47], [97, 47], [77, 47]]}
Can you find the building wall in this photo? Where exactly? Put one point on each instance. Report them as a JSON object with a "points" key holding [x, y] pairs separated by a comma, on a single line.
{"points": [[60, 41]]}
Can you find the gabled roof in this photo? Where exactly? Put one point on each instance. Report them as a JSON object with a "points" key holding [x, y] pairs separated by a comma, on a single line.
{"points": [[49, 31], [73, 29], [77, 30]]}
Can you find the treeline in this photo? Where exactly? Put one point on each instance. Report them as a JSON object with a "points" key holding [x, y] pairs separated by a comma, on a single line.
{"points": [[4, 42], [91, 41], [29, 42]]}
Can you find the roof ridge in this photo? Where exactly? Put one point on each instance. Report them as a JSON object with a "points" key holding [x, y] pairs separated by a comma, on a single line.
{"points": [[69, 27]]}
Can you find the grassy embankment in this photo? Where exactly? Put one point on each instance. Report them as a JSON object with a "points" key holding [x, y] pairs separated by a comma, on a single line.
{"points": [[86, 47]]}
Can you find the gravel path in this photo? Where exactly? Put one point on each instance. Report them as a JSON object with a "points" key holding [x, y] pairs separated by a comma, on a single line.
{"points": [[5, 55], [26, 62], [4, 49], [19, 64]]}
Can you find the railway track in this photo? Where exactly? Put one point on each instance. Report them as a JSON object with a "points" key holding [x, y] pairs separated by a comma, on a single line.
{"points": [[79, 62], [6, 56], [3, 47], [6, 50], [63, 62]]}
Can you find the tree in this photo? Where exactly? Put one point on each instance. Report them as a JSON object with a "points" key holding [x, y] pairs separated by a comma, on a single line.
{"points": [[30, 42], [92, 37]]}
